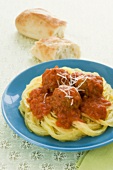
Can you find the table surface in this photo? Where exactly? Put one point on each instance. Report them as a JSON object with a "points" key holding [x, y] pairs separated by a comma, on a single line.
{"points": [[90, 25]]}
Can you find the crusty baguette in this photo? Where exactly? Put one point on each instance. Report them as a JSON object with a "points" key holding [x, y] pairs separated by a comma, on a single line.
{"points": [[55, 48], [38, 23]]}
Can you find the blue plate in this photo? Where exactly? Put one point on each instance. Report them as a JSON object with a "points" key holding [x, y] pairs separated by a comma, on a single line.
{"points": [[12, 97]]}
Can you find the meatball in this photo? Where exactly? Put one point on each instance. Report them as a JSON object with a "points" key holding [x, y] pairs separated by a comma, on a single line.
{"points": [[52, 78], [65, 98], [89, 85]]}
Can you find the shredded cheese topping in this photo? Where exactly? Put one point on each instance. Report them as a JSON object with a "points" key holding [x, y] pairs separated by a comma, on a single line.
{"points": [[72, 81], [45, 97]]}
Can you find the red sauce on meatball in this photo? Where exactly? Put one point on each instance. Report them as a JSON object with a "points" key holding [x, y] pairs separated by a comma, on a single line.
{"points": [[68, 96], [89, 84], [65, 102], [52, 78]]}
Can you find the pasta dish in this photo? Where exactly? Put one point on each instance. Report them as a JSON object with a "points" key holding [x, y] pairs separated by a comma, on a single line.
{"points": [[67, 104]]}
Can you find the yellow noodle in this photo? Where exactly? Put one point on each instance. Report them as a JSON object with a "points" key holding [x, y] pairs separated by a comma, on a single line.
{"points": [[59, 133]]}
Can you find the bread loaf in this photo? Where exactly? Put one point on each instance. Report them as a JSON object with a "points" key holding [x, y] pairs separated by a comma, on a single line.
{"points": [[55, 48], [38, 23]]}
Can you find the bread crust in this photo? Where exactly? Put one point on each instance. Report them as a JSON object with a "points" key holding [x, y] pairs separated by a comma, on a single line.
{"points": [[38, 23]]}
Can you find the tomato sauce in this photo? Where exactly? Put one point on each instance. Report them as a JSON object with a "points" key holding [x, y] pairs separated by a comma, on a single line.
{"points": [[39, 103], [68, 96], [65, 102], [95, 107]]}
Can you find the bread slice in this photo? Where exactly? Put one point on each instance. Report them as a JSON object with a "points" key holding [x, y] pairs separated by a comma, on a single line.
{"points": [[38, 23], [55, 48]]}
